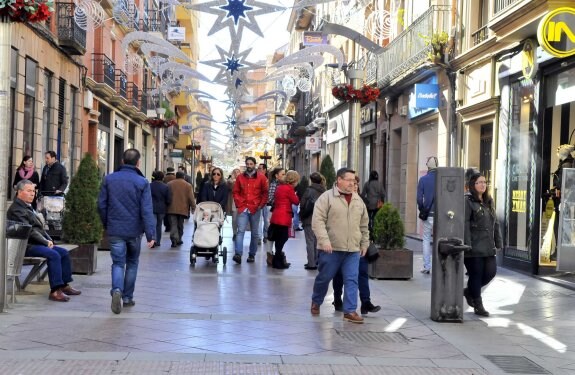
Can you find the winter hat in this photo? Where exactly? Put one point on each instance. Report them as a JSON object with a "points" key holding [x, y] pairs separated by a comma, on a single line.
{"points": [[170, 170], [432, 163], [564, 151]]}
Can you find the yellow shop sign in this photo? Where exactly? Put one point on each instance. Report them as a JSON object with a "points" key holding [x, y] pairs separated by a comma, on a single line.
{"points": [[556, 33]]}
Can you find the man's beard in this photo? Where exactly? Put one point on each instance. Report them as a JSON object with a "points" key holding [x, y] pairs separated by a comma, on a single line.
{"points": [[249, 170]]}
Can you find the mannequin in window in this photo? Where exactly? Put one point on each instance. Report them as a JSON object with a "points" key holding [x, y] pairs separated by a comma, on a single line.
{"points": [[565, 161]]}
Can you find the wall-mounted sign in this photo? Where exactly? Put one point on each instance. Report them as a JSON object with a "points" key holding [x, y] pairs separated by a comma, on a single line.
{"points": [[313, 143], [426, 95], [176, 33], [529, 59], [366, 115], [556, 32], [119, 124], [186, 129], [314, 38]]}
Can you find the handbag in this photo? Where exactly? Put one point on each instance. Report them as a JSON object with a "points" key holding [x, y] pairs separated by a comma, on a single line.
{"points": [[379, 204], [372, 253]]}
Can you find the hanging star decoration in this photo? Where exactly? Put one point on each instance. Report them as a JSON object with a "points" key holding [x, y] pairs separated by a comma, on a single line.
{"points": [[235, 15], [230, 64]]}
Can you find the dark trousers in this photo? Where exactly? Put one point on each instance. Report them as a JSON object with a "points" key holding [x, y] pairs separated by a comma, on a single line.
{"points": [[176, 228], [280, 237], [371, 215], [481, 271], [362, 281], [59, 266], [167, 222], [159, 222]]}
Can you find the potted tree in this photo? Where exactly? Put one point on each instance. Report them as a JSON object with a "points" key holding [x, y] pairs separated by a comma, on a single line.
{"points": [[82, 225], [394, 261], [328, 171]]}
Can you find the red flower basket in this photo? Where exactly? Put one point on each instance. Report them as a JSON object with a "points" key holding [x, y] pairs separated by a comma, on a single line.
{"points": [[347, 93], [285, 141], [155, 122], [27, 11]]}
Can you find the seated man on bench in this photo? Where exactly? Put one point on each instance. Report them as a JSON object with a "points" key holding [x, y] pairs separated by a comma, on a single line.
{"points": [[41, 245]]}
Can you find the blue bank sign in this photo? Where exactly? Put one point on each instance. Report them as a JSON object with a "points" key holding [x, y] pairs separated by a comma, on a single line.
{"points": [[424, 98]]}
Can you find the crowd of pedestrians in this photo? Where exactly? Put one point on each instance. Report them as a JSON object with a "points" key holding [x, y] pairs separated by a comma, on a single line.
{"points": [[337, 222]]}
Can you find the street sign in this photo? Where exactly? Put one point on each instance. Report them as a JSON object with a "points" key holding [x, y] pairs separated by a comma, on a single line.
{"points": [[176, 33], [312, 143], [177, 154], [186, 129]]}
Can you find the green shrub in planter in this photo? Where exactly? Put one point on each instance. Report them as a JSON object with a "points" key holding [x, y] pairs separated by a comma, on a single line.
{"points": [[388, 230], [328, 171]]}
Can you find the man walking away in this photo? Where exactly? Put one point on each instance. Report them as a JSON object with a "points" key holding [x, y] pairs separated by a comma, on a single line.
{"points": [[179, 210], [426, 206], [161, 199], [187, 177], [54, 177], [340, 222], [307, 204], [125, 207], [250, 195]]}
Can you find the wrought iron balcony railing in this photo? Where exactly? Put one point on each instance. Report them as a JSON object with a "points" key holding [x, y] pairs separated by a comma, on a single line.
{"points": [[408, 50], [172, 134], [133, 94], [480, 35], [499, 5], [144, 102], [104, 69], [71, 37], [122, 83]]}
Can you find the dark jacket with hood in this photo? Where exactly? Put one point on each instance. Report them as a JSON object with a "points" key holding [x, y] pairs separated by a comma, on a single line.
{"points": [[482, 231], [161, 196], [54, 177]]}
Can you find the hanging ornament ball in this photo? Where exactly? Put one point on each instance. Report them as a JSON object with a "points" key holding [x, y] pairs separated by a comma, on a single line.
{"points": [[304, 84], [291, 92], [288, 83]]}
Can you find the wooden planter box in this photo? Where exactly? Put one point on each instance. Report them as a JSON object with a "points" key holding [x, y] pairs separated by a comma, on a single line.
{"points": [[84, 259], [392, 264]]}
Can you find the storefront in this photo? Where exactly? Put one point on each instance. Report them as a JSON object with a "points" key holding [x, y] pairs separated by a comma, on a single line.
{"points": [[368, 121], [336, 136], [537, 116]]}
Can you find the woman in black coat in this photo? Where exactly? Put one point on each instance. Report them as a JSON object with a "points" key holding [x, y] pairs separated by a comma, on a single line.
{"points": [[482, 233], [27, 171], [216, 189], [161, 199]]}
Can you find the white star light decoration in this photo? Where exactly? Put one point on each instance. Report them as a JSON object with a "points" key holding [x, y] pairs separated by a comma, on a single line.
{"points": [[230, 64]]}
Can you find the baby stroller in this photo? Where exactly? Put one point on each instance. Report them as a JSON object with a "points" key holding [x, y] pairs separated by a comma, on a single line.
{"points": [[52, 209], [209, 219]]}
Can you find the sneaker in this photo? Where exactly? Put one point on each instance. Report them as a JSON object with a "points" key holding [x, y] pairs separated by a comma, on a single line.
{"points": [[237, 258], [116, 302], [129, 303], [353, 317], [369, 307], [337, 305], [251, 259], [425, 272]]}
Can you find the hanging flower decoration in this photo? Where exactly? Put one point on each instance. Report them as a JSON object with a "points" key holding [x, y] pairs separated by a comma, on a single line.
{"points": [[155, 122], [193, 147], [347, 93], [26, 10], [285, 141]]}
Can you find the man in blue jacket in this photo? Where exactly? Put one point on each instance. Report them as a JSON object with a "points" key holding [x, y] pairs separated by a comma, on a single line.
{"points": [[426, 206], [125, 207]]}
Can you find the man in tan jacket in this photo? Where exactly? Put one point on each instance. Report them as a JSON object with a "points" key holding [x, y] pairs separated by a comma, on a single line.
{"points": [[340, 223], [179, 210]]}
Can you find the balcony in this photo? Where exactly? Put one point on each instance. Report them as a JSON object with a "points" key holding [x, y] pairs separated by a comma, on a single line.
{"points": [[480, 35], [122, 83], [172, 134], [133, 95], [499, 5], [408, 51], [70, 36], [144, 102], [104, 74]]}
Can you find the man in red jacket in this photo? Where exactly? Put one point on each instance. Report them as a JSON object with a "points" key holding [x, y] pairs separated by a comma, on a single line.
{"points": [[250, 196]]}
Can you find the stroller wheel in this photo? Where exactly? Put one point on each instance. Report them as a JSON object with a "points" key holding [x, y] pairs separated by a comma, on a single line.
{"points": [[225, 255], [192, 256]]}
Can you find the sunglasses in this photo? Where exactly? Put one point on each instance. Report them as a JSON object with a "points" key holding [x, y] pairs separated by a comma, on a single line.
{"points": [[216, 174]]}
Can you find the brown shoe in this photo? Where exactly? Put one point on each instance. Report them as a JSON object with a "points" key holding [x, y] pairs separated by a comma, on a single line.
{"points": [[269, 259], [68, 290], [58, 296], [353, 318], [314, 309]]}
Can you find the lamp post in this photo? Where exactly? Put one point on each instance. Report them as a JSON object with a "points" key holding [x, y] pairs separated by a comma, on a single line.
{"points": [[160, 141], [355, 77], [266, 157]]}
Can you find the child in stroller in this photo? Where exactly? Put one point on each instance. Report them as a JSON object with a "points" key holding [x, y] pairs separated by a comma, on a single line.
{"points": [[207, 239]]}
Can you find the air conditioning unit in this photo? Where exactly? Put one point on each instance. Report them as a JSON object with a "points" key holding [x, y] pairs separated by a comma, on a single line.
{"points": [[403, 110]]}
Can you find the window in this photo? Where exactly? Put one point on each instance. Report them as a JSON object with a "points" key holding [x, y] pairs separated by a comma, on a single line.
{"points": [[46, 123], [29, 105], [73, 121], [61, 114], [13, 83]]}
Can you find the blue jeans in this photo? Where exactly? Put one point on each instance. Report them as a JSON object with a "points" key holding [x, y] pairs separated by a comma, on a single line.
{"points": [[295, 210], [266, 216], [58, 260], [254, 220], [362, 280], [159, 222], [329, 265], [427, 242], [125, 252]]}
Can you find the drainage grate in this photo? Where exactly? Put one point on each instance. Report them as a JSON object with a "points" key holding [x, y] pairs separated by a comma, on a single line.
{"points": [[366, 336], [515, 364]]}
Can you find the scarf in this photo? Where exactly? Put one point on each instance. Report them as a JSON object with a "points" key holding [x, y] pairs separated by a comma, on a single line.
{"points": [[26, 173]]}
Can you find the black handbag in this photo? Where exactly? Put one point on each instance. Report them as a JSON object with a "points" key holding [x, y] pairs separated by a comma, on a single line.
{"points": [[372, 253]]}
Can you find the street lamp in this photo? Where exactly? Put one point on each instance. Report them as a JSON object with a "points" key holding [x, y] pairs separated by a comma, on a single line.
{"points": [[266, 157], [160, 111]]}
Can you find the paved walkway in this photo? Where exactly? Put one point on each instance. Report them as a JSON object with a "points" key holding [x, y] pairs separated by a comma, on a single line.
{"points": [[251, 319]]}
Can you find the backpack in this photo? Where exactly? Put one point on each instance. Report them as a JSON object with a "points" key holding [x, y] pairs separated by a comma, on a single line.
{"points": [[306, 210]]}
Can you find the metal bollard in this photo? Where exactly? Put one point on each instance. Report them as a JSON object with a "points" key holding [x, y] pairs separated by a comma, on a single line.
{"points": [[448, 248]]}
